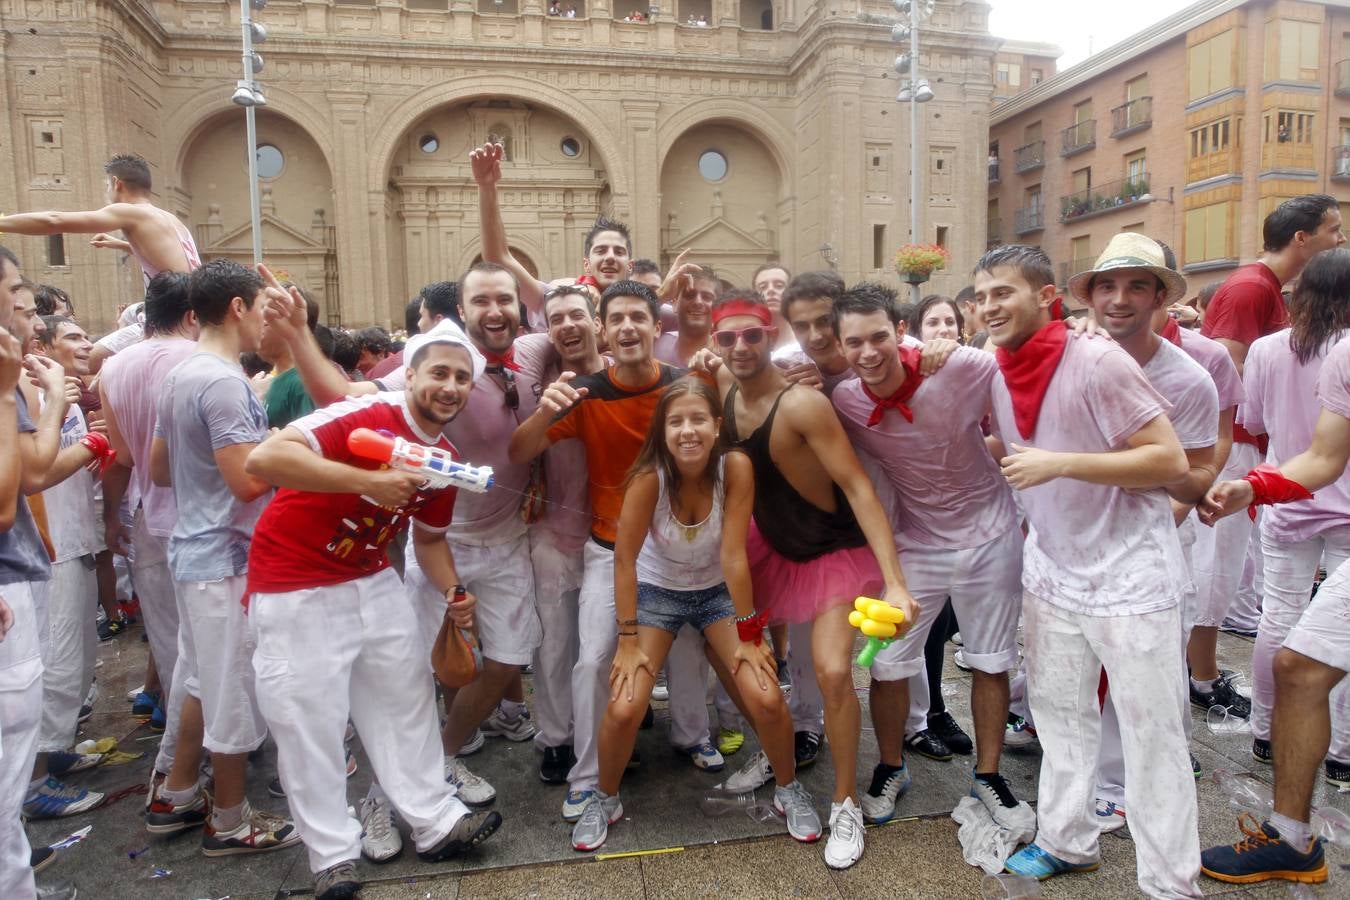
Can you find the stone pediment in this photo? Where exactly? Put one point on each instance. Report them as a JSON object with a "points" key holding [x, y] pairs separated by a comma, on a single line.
{"points": [[721, 236], [275, 234]]}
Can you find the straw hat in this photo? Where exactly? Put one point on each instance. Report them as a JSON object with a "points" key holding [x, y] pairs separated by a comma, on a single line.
{"points": [[1129, 250]]}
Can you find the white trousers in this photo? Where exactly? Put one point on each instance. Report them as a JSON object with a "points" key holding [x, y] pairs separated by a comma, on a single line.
{"points": [[1065, 654], [1289, 572], [350, 650], [1321, 633], [597, 635], [1220, 551], [20, 716], [159, 609], [1245, 611], [215, 652], [68, 652], [557, 585], [688, 674], [805, 703]]}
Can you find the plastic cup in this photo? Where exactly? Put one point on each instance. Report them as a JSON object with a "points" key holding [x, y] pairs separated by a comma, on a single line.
{"points": [[1007, 886]]}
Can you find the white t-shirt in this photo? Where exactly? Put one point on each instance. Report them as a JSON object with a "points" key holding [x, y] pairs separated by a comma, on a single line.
{"points": [[71, 523], [1218, 363], [1093, 549], [1186, 385]]}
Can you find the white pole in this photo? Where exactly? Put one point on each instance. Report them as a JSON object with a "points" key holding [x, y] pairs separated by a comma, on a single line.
{"points": [[250, 120], [915, 294]]}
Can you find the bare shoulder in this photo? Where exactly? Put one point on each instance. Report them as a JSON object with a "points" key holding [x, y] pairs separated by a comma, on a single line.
{"points": [[806, 407], [739, 469]]}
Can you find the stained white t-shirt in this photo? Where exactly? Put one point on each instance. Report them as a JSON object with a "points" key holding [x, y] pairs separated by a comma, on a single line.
{"points": [[1218, 363], [71, 524], [1186, 385]]}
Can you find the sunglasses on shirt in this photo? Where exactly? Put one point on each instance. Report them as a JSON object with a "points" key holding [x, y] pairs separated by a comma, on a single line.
{"points": [[752, 335]]}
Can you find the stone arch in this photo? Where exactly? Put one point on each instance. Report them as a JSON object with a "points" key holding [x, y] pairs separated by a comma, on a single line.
{"points": [[521, 246], [740, 114]]}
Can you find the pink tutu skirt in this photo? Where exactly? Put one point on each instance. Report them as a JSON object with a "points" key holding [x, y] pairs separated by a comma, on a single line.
{"points": [[791, 592]]}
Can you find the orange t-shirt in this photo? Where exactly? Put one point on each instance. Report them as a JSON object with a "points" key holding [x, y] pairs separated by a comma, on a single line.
{"points": [[612, 421]]}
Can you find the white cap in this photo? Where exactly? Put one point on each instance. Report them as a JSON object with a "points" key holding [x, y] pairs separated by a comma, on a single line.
{"points": [[445, 332]]}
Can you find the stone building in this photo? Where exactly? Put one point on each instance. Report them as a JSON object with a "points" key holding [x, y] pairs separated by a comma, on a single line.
{"points": [[770, 133], [1190, 131]]}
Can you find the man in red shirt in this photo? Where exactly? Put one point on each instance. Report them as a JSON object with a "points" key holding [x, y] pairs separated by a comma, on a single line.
{"points": [[1248, 306], [318, 567]]}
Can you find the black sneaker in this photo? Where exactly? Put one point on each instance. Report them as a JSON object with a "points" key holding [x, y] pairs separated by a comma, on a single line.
{"points": [[1261, 751], [86, 712], [1222, 694], [1338, 773], [950, 733], [784, 676], [1195, 767], [806, 748], [41, 858], [928, 744], [1263, 856], [111, 629], [469, 831], [556, 764], [274, 789]]}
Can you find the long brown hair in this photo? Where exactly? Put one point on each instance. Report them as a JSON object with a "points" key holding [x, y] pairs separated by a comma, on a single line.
{"points": [[655, 455], [1320, 307]]}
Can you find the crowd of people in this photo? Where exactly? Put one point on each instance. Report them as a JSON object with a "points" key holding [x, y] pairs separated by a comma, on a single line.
{"points": [[688, 478]]}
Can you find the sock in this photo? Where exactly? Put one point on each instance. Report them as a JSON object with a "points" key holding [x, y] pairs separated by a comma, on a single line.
{"points": [[880, 775], [1205, 686], [177, 798], [223, 819], [512, 709], [1000, 786], [1296, 834]]}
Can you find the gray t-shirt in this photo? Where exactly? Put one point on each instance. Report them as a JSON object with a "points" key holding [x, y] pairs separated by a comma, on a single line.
{"points": [[22, 555], [207, 404]]}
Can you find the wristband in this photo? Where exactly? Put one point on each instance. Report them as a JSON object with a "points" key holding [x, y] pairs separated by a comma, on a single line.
{"points": [[750, 629], [1270, 485], [98, 445]]}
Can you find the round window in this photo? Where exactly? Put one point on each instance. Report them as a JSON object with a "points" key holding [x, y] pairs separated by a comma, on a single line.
{"points": [[571, 147], [712, 165], [428, 143], [270, 161]]}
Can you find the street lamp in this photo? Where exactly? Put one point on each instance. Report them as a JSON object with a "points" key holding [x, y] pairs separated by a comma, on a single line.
{"points": [[915, 91], [247, 95]]}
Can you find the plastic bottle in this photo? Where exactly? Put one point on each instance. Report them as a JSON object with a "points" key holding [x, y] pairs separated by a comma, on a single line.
{"points": [[1332, 825], [1221, 721], [717, 803], [1244, 794], [1007, 886]]}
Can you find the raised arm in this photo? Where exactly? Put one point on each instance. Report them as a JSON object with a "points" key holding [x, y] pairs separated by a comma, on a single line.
{"points": [[486, 164], [286, 315], [110, 218]]}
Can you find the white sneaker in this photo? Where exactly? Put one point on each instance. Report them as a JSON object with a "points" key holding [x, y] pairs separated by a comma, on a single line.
{"points": [[660, 690], [473, 790], [753, 775], [515, 729], [473, 744], [134, 693], [380, 840], [956, 639], [959, 657], [1110, 816], [845, 846]]}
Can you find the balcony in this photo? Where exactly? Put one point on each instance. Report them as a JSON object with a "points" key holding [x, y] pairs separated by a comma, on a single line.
{"points": [[1343, 78], [1069, 269], [1077, 138], [993, 170], [995, 233], [1104, 198], [1031, 156], [1029, 219], [1131, 117], [1340, 163], [1286, 156], [1227, 161]]}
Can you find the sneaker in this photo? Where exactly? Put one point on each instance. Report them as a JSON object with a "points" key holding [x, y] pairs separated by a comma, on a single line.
{"points": [[260, 832], [57, 890], [703, 756], [470, 788], [661, 690], [53, 800], [888, 786], [784, 674], [65, 762], [993, 791], [380, 840], [729, 741], [86, 711], [1196, 770], [152, 790], [1034, 862], [806, 747], [845, 846], [1240, 630], [793, 803], [1338, 773], [274, 788], [593, 826], [574, 804], [518, 729], [1262, 856], [144, 705], [557, 763], [337, 882], [40, 858], [925, 743], [750, 777], [1223, 693], [1110, 816], [134, 693], [1261, 751], [956, 639], [959, 657], [470, 831], [163, 817], [159, 720], [473, 744], [950, 733], [1019, 734], [111, 629]]}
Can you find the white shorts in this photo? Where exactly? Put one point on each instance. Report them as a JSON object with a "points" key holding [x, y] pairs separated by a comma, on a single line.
{"points": [[214, 644], [985, 584], [1323, 631]]}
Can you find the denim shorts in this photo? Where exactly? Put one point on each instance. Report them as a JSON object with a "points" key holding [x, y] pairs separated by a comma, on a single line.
{"points": [[670, 610]]}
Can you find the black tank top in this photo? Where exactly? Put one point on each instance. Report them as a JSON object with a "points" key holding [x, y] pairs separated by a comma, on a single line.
{"points": [[794, 526]]}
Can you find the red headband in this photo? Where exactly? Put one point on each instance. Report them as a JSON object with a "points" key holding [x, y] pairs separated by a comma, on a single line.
{"points": [[741, 308]]}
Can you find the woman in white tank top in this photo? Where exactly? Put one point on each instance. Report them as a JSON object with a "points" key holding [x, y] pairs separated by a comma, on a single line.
{"points": [[680, 558]]}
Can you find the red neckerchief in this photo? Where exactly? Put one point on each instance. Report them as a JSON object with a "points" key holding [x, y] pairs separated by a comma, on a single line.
{"points": [[909, 359], [501, 361], [1172, 331], [1027, 372]]}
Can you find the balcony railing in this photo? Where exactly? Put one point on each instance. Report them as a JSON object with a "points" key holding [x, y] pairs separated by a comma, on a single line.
{"points": [[1069, 269], [1340, 163], [995, 232], [1030, 156], [1103, 198], [1080, 137], [993, 171], [1287, 155], [1343, 78], [1029, 219], [1131, 117]]}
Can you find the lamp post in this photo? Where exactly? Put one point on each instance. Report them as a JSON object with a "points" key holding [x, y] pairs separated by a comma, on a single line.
{"points": [[247, 95], [915, 91]]}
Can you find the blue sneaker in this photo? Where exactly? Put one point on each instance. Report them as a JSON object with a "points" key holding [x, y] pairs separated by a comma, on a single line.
{"points": [[704, 756], [158, 719], [143, 707], [1034, 862], [66, 762], [1263, 856], [53, 800], [575, 803]]}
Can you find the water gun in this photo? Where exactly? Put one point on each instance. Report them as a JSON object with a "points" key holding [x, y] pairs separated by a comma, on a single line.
{"points": [[433, 464], [876, 619]]}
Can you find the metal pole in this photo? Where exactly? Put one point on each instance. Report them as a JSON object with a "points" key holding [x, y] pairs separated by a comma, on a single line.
{"points": [[250, 120], [915, 294]]}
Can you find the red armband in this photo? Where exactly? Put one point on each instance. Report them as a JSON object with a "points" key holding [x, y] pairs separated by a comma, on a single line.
{"points": [[1269, 485], [98, 445], [751, 628]]}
